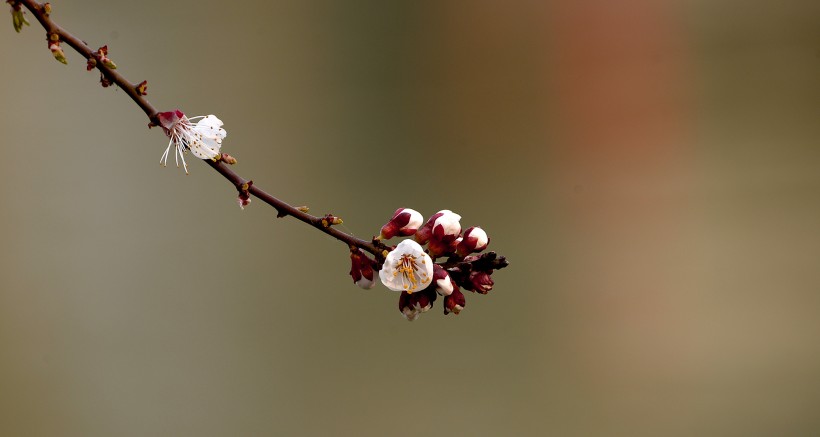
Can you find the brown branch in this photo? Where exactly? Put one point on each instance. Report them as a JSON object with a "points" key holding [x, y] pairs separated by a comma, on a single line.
{"points": [[135, 92]]}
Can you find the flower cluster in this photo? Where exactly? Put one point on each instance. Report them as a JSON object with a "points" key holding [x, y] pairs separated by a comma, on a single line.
{"points": [[411, 269]]}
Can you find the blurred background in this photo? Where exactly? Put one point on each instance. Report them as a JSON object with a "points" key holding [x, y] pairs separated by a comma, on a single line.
{"points": [[650, 168]]}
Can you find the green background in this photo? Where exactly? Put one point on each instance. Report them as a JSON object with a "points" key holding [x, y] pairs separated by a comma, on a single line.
{"points": [[650, 168]]}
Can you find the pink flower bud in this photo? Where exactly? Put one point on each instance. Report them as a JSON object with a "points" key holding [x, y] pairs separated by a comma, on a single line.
{"points": [[57, 52], [405, 222], [455, 302], [474, 240], [361, 269], [411, 305], [244, 197], [441, 280], [425, 232], [480, 282], [439, 248], [447, 228]]}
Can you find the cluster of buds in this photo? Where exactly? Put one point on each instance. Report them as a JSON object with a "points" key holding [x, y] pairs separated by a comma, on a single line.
{"points": [[413, 271], [101, 56]]}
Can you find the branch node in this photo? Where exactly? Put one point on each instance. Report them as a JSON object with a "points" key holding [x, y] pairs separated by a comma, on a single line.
{"points": [[227, 159], [329, 220], [142, 88]]}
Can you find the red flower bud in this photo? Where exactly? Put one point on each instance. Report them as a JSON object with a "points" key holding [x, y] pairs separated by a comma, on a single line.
{"points": [[439, 248], [455, 302], [405, 221], [426, 231], [441, 281], [361, 269], [474, 240], [480, 282], [411, 305]]}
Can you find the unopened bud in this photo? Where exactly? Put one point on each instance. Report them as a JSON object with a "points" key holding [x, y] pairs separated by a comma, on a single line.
{"points": [[361, 269], [244, 197], [480, 282], [441, 280], [104, 81], [474, 240], [405, 222], [18, 18], [443, 225], [455, 302], [228, 159], [439, 248], [447, 227], [57, 52], [411, 305], [142, 88], [330, 220]]}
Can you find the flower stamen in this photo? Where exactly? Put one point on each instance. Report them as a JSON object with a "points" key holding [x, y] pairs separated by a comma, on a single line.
{"points": [[407, 267]]}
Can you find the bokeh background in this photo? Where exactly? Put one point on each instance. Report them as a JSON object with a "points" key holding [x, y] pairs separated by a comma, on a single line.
{"points": [[650, 168]]}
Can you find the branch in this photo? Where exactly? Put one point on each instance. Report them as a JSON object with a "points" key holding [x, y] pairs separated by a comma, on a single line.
{"points": [[136, 92]]}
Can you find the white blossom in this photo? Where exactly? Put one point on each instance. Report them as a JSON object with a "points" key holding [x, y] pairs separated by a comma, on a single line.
{"points": [[203, 138], [407, 268]]}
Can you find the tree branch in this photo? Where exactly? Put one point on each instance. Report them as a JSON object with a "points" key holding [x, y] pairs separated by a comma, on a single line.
{"points": [[136, 93]]}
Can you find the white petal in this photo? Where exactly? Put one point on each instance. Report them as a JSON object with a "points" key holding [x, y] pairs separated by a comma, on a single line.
{"points": [[480, 236], [202, 151], [450, 222], [365, 283], [444, 287], [210, 121], [416, 219]]}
